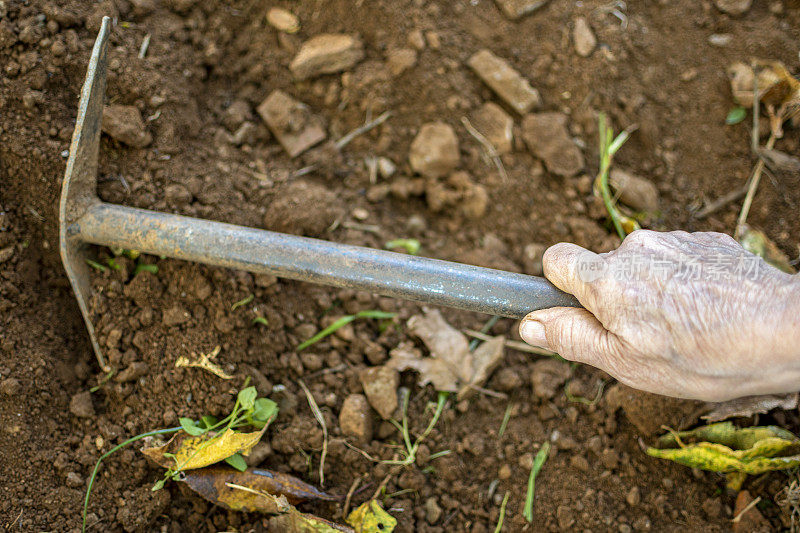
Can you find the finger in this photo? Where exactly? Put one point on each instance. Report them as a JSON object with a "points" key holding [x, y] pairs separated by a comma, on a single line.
{"points": [[572, 268], [573, 333]]}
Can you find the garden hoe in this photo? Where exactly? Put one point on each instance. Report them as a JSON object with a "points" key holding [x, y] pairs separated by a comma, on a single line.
{"points": [[85, 220]]}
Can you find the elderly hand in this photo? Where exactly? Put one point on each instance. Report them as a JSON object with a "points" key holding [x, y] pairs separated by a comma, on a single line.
{"points": [[690, 315]]}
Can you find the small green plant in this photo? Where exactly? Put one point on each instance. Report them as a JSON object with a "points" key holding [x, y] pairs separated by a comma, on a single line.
{"points": [[410, 452], [538, 462], [144, 267], [736, 115], [244, 301], [97, 266], [504, 424], [380, 315], [502, 516], [609, 145], [411, 246], [260, 320]]}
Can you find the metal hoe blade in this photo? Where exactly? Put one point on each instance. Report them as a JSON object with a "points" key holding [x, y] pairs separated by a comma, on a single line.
{"points": [[84, 219]]}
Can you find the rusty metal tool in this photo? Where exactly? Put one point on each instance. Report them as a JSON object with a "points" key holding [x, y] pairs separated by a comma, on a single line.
{"points": [[85, 220]]}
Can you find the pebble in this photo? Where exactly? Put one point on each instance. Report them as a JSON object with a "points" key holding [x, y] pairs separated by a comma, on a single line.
{"points": [[432, 510], [325, 54], [633, 497], [496, 125], [355, 419], [515, 9], [565, 517], [401, 59], [380, 385], [74, 480], [134, 371], [283, 20], [547, 376], [6, 254], [81, 405], [504, 472], [434, 151], [532, 256], [733, 7], [634, 191], [548, 139], [124, 123], [509, 85], [609, 458], [292, 122], [10, 387], [386, 167], [175, 315], [720, 39], [416, 39], [579, 462], [583, 37]]}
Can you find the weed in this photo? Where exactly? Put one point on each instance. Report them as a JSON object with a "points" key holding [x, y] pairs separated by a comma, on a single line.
{"points": [[411, 246], [97, 266], [485, 329], [538, 462], [609, 145], [318, 415], [583, 400], [380, 315], [502, 516], [244, 301], [260, 320], [504, 424], [143, 267], [410, 452]]}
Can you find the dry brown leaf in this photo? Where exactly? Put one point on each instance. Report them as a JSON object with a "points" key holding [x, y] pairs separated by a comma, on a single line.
{"points": [[750, 405], [451, 366], [775, 85], [205, 361], [190, 452]]}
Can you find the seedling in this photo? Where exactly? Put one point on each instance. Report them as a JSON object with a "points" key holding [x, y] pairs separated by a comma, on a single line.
{"points": [[502, 516], [504, 424], [736, 115], [312, 403], [538, 462], [380, 315], [411, 246], [244, 301], [97, 266], [609, 145], [410, 453], [584, 400], [143, 267]]}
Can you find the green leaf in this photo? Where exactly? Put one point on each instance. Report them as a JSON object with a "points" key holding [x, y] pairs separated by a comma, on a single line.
{"points": [[159, 484], [141, 267], [736, 115], [410, 245], [189, 427], [208, 421], [237, 461], [541, 457], [247, 398], [260, 320]]}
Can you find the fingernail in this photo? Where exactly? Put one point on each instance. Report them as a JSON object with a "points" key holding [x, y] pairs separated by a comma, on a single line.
{"points": [[532, 332]]}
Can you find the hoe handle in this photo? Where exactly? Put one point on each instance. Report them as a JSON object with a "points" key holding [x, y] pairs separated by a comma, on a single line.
{"points": [[472, 288]]}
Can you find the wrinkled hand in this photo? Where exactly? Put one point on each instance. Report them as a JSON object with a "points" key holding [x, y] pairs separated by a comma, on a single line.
{"points": [[691, 315]]}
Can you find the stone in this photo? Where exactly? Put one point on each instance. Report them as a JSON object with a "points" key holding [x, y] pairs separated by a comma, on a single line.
{"points": [[380, 385], [516, 9], [292, 122], [565, 517], [475, 202], [124, 124], [432, 510], [506, 82], [750, 521], [283, 20], [633, 497], [174, 316], [733, 7], [10, 387], [547, 138], [325, 54], [177, 194], [634, 191], [81, 406], [609, 458], [355, 419], [6, 254], [236, 114], [496, 125], [434, 151], [134, 371], [386, 167], [547, 376], [532, 256], [504, 472], [583, 37], [74, 480], [401, 59]]}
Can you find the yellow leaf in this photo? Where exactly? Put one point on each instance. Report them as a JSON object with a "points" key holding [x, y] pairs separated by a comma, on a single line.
{"points": [[204, 361], [369, 517], [187, 452]]}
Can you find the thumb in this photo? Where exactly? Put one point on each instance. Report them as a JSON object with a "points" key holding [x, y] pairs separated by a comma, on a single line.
{"points": [[574, 333]]}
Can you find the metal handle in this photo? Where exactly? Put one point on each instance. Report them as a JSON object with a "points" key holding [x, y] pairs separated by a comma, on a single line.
{"points": [[472, 288]]}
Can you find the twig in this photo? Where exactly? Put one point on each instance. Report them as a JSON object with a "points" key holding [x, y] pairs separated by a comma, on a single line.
{"points": [[144, 47], [318, 415], [749, 506], [751, 189], [516, 345], [305, 170], [344, 141], [721, 202], [353, 487], [385, 481], [488, 392], [369, 228], [491, 151]]}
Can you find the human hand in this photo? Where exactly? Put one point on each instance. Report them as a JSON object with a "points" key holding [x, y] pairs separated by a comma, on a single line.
{"points": [[690, 315]]}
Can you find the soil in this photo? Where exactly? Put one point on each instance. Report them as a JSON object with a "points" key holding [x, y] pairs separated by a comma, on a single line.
{"points": [[207, 68]]}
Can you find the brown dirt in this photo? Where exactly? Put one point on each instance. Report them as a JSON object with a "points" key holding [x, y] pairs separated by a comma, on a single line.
{"points": [[660, 73]]}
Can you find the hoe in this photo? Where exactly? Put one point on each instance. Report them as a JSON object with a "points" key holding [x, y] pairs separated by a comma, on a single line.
{"points": [[85, 220]]}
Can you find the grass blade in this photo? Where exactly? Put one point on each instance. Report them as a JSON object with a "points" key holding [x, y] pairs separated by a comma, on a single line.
{"points": [[541, 457], [380, 315], [502, 516]]}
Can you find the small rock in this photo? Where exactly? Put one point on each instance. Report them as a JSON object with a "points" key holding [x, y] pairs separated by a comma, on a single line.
{"points": [[380, 385], [236, 114], [750, 521], [325, 54], [177, 194], [532, 256], [509, 85], [579, 462], [565, 517], [733, 7], [583, 37], [386, 167], [283, 20], [10, 387], [434, 151], [496, 125], [135, 370], [400, 60], [633, 497], [292, 123], [6, 254], [416, 39], [507, 379], [475, 202], [81, 405], [74, 480], [174, 316], [548, 139], [515, 9], [355, 419], [124, 123], [504, 472], [634, 191], [720, 39], [312, 361], [547, 376], [609, 458], [432, 510], [642, 524]]}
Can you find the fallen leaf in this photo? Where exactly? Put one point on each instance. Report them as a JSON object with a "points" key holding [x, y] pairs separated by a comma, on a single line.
{"points": [[205, 361], [451, 366], [775, 85], [780, 161], [756, 242], [212, 484], [186, 452], [722, 447], [369, 517], [749, 406]]}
